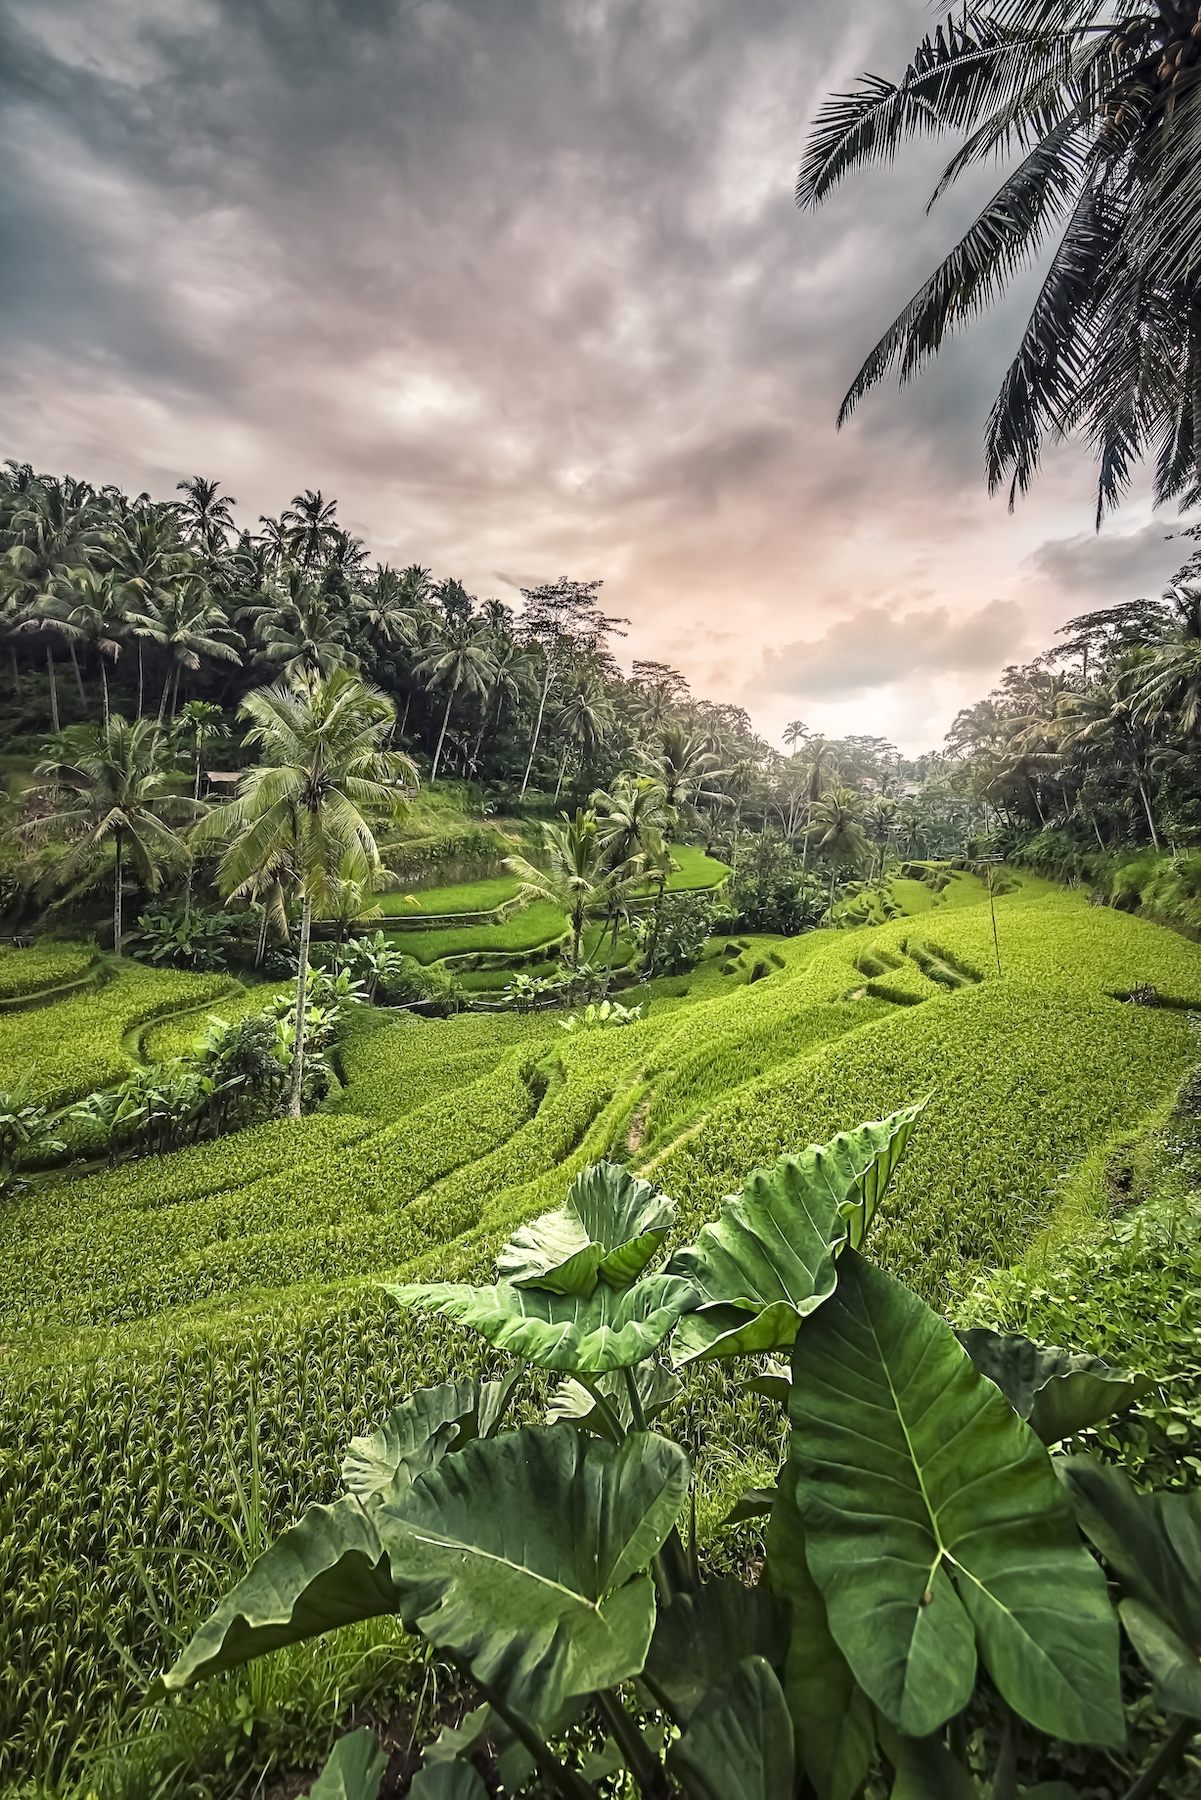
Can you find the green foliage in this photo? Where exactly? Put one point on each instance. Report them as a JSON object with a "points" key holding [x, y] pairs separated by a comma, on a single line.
{"points": [[525, 1556]]}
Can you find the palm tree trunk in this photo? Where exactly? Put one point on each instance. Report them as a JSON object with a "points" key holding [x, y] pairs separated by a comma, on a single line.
{"points": [[162, 699], [53, 689], [1150, 815], [104, 688], [405, 720], [117, 898], [302, 984], [441, 737], [83, 699], [16, 671], [562, 772], [577, 933], [537, 726], [262, 943], [140, 679]]}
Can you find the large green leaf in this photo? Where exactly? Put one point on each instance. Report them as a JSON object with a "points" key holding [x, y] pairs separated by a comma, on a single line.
{"points": [[525, 1555], [331, 1569], [925, 1769], [832, 1716], [701, 1634], [417, 1435], [1056, 1392], [448, 1781], [934, 1523], [354, 1769], [1152, 1542], [612, 1328], [739, 1743], [769, 1260], [609, 1227]]}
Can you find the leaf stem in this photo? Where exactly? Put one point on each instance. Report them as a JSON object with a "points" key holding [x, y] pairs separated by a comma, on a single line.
{"points": [[645, 1768], [636, 1412], [612, 1423], [567, 1782], [1153, 1774]]}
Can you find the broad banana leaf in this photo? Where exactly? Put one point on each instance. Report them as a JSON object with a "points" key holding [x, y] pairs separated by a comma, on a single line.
{"points": [[417, 1435], [701, 1635], [613, 1328], [769, 1261], [833, 1719], [739, 1744], [525, 1556], [574, 1404], [331, 1569], [1056, 1392], [448, 1781], [934, 1523], [609, 1227], [1152, 1542], [753, 1503], [354, 1769]]}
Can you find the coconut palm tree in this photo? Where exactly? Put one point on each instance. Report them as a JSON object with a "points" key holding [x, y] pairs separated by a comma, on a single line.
{"points": [[685, 767], [300, 626], [459, 660], [1173, 669], [1103, 108], [53, 527], [580, 880], [148, 562], [307, 811], [837, 827], [1111, 721], [205, 514], [200, 722], [188, 623], [86, 606], [309, 528], [109, 795], [584, 720], [387, 607]]}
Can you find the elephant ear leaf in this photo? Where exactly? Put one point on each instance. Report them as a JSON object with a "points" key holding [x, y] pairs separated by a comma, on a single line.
{"points": [[448, 1781], [702, 1633], [1056, 1392], [330, 1569], [608, 1229], [354, 1770], [739, 1745], [974, 1549], [415, 1436], [1152, 1542], [611, 1328], [526, 1555], [769, 1260], [832, 1717]]}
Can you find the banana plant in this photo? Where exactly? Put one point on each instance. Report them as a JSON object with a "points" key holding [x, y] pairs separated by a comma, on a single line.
{"points": [[917, 1533]]}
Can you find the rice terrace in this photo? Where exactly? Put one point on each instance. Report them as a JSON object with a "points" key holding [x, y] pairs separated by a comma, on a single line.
{"points": [[565, 1230]]}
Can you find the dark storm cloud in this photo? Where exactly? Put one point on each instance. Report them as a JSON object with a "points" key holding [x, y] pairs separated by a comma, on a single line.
{"points": [[523, 283], [1114, 567], [871, 649]]}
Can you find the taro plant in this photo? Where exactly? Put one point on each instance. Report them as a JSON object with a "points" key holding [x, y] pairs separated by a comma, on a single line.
{"points": [[918, 1538]]}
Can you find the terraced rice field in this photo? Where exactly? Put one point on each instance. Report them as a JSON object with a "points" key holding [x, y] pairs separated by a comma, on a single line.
{"points": [[175, 1327]]}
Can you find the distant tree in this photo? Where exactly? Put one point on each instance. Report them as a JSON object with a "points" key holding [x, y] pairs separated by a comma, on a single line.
{"points": [[108, 795], [205, 514], [458, 661], [299, 626], [308, 810], [86, 605], [308, 528], [580, 880], [188, 624]]}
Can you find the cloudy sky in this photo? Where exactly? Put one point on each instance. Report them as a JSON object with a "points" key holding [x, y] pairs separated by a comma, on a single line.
{"points": [[522, 283]]}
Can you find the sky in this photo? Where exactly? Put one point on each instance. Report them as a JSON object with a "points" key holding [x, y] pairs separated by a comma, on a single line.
{"points": [[522, 283]]}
